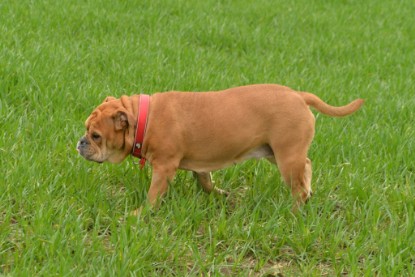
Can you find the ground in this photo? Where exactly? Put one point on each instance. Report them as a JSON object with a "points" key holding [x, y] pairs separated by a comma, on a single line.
{"points": [[62, 215]]}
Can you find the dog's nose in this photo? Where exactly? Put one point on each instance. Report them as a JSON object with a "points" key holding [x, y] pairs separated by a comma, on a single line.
{"points": [[82, 143]]}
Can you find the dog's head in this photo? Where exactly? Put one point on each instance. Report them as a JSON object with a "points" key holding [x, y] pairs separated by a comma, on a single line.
{"points": [[109, 132]]}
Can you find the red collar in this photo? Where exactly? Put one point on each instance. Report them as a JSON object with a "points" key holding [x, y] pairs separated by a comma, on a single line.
{"points": [[143, 108]]}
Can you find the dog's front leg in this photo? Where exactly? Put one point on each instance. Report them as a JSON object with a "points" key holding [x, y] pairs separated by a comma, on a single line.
{"points": [[160, 180], [162, 176]]}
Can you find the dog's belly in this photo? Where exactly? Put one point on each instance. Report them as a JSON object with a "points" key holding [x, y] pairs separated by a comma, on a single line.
{"points": [[203, 165]]}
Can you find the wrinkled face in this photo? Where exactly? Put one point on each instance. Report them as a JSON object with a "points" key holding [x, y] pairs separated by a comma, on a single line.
{"points": [[109, 133]]}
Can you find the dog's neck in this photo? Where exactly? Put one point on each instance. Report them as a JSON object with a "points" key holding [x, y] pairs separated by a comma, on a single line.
{"points": [[142, 117]]}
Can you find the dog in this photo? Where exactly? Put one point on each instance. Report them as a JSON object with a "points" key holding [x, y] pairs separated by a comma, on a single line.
{"points": [[207, 131]]}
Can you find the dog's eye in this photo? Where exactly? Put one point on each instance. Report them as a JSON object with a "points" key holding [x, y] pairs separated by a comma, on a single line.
{"points": [[95, 136]]}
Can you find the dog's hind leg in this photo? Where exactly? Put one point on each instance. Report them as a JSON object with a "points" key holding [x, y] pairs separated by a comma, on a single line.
{"points": [[204, 179], [297, 174], [296, 171], [308, 173]]}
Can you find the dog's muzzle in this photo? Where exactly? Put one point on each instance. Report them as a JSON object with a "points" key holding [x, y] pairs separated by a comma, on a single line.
{"points": [[82, 144], [84, 149]]}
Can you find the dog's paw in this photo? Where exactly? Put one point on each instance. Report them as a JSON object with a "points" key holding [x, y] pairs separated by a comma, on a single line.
{"points": [[221, 191], [133, 215], [136, 212]]}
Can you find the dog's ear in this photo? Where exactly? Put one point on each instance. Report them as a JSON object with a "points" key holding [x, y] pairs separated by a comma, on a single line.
{"points": [[109, 98], [120, 120]]}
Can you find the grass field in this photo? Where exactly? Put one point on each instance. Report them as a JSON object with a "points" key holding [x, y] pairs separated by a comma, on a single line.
{"points": [[60, 214]]}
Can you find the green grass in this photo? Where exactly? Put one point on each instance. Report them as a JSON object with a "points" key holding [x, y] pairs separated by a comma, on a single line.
{"points": [[60, 215]]}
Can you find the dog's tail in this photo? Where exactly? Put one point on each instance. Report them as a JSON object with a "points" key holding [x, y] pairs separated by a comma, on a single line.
{"points": [[325, 108]]}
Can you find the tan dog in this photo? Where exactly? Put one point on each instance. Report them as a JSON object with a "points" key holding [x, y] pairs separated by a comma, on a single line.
{"points": [[208, 131]]}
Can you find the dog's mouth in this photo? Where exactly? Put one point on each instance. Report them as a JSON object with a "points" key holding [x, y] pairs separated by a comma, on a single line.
{"points": [[99, 162], [88, 156], [92, 160]]}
